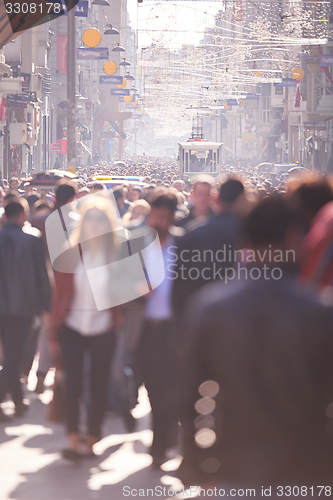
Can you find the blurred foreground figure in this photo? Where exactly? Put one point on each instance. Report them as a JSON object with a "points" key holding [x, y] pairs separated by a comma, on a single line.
{"points": [[24, 293], [260, 371], [317, 249]]}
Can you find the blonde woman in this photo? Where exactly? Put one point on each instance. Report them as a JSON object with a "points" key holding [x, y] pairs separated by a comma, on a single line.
{"points": [[78, 327]]}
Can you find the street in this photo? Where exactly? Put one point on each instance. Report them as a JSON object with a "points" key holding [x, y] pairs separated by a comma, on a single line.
{"points": [[32, 468]]}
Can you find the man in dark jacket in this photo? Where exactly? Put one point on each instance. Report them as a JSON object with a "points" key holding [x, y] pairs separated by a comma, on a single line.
{"points": [[204, 253], [24, 293], [266, 346]]}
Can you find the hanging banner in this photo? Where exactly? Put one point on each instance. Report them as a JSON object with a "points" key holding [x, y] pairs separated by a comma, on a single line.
{"points": [[3, 110], [81, 8], [286, 82], [326, 60], [62, 53], [92, 53], [120, 92], [110, 79]]}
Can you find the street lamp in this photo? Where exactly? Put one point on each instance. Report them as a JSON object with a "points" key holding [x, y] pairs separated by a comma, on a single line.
{"points": [[111, 31], [124, 62], [118, 48], [129, 77], [104, 3]]}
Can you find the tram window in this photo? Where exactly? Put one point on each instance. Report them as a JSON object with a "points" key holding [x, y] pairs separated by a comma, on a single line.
{"points": [[186, 169]]}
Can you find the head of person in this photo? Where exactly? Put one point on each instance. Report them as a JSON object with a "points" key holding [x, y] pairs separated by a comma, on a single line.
{"points": [[42, 206], [84, 191], [308, 194], [32, 198], [202, 189], [14, 184], [98, 224], [231, 193], [135, 193], [97, 187], [273, 224], [64, 193], [27, 189], [150, 193], [162, 213], [140, 208], [16, 210], [179, 185], [119, 196]]}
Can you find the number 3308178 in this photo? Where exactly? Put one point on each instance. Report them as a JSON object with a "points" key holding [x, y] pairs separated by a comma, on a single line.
{"points": [[33, 8]]}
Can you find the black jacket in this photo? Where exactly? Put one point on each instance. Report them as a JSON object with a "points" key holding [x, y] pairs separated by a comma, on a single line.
{"points": [[203, 256], [269, 346], [24, 282]]}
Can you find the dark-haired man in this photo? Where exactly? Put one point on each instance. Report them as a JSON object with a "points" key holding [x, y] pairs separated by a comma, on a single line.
{"points": [[203, 254], [266, 345], [24, 293], [156, 348]]}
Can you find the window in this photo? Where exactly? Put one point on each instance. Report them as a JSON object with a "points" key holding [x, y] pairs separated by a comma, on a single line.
{"points": [[265, 109]]}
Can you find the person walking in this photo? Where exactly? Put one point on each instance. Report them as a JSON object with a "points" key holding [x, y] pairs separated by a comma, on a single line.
{"points": [[64, 198], [78, 328], [24, 293], [259, 371], [156, 347]]}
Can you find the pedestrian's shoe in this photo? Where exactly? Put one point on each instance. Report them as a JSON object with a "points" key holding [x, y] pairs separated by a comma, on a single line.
{"points": [[21, 409], [72, 455], [3, 417]]}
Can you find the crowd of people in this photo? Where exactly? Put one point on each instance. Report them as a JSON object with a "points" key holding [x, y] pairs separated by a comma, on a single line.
{"points": [[229, 326]]}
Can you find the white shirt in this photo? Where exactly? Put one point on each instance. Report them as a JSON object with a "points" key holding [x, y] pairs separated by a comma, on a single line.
{"points": [[158, 304], [83, 315]]}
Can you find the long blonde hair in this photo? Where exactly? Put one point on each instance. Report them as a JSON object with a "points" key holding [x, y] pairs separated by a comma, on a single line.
{"points": [[101, 202]]}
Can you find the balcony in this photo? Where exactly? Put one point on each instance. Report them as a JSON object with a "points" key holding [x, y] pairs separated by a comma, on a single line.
{"points": [[11, 85]]}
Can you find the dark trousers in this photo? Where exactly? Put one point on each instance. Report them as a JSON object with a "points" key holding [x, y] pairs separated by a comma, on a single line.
{"points": [[159, 371], [14, 333], [100, 349]]}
